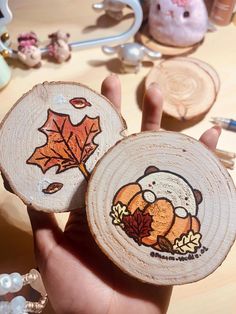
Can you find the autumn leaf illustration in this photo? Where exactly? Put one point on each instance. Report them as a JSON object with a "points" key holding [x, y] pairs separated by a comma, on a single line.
{"points": [[80, 102], [138, 225], [165, 244], [188, 243], [117, 213], [68, 146]]}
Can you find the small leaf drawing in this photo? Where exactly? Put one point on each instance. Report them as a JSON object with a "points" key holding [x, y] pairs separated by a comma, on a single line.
{"points": [[53, 188], [165, 244], [188, 243], [117, 213], [68, 146], [80, 102], [138, 225]]}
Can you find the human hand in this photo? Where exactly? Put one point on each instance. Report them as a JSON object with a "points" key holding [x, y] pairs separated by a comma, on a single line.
{"points": [[78, 277]]}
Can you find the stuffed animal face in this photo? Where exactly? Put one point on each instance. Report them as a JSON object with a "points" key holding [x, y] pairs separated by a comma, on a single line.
{"points": [[31, 56], [178, 22]]}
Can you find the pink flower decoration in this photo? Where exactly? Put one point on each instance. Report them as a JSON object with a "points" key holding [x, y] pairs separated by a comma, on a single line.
{"points": [[180, 3]]}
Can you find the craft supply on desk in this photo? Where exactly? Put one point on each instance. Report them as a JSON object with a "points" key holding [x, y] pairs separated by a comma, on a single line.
{"points": [[228, 124], [226, 158], [222, 12]]}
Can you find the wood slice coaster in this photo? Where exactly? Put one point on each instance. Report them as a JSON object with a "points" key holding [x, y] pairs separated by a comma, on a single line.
{"points": [[145, 39], [51, 140], [162, 207], [189, 86], [205, 66]]}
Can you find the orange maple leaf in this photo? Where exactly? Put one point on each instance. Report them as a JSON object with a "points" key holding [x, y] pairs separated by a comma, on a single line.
{"points": [[67, 145]]}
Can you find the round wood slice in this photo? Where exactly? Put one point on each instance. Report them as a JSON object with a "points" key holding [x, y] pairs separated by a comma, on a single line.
{"points": [[145, 39], [207, 67], [51, 140], [189, 87], [162, 207]]}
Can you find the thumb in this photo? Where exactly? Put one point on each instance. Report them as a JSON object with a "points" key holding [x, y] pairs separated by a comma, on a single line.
{"points": [[46, 232]]}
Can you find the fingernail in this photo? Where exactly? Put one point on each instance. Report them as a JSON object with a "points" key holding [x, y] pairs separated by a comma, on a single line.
{"points": [[113, 74], [154, 84], [217, 128]]}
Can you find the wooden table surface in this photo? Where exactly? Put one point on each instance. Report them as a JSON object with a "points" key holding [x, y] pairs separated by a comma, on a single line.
{"points": [[215, 294]]}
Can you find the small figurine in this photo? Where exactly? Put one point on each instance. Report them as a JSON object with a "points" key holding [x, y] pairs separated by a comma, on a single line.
{"points": [[113, 8], [131, 55], [28, 51], [59, 49], [178, 23]]}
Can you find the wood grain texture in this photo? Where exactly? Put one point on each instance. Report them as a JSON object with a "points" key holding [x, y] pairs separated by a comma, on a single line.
{"points": [[186, 170], [51, 140], [189, 86]]}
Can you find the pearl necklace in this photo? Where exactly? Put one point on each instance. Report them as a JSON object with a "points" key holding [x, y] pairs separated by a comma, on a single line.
{"points": [[13, 283]]}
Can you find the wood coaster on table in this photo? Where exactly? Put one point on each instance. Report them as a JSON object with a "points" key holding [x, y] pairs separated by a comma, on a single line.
{"points": [[51, 140], [189, 86], [162, 207], [145, 39], [205, 66]]}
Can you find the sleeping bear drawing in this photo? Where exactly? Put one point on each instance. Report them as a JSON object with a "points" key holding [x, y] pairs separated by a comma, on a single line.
{"points": [[164, 184]]}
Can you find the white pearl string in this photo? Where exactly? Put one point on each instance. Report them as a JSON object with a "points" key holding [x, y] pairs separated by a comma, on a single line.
{"points": [[12, 283]]}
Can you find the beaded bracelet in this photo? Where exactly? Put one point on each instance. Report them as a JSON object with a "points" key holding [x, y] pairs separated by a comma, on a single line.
{"points": [[13, 283]]}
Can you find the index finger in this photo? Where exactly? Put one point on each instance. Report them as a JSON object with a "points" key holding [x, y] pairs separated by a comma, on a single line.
{"points": [[152, 109], [111, 89]]}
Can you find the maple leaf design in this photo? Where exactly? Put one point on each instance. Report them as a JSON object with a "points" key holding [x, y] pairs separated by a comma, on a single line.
{"points": [[117, 213], [67, 145], [138, 225], [188, 243]]}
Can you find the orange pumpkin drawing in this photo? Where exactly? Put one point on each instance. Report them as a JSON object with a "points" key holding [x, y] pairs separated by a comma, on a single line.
{"points": [[155, 224]]}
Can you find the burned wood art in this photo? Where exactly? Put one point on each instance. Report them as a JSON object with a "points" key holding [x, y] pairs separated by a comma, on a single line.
{"points": [[164, 209], [57, 132]]}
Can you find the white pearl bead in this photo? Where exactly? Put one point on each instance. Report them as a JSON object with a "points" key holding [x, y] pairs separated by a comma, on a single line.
{"points": [[5, 284], [5, 307], [17, 282], [18, 305]]}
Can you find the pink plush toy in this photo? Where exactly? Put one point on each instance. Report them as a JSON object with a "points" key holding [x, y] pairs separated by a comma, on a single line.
{"points": [[178, 23], [59, 48], [28, 51]]}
